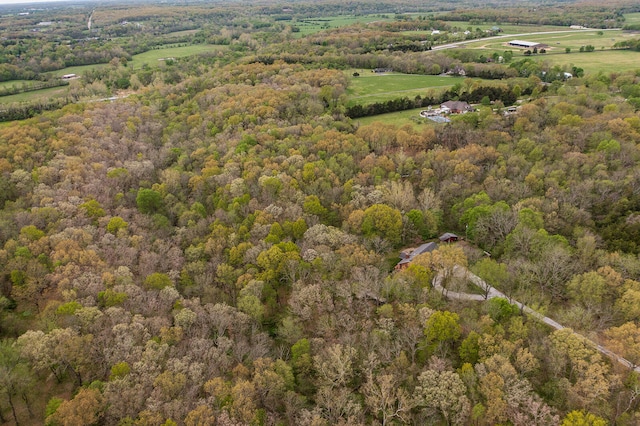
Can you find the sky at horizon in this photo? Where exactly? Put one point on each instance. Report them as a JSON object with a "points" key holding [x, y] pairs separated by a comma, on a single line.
{"points": [[31, 2]]}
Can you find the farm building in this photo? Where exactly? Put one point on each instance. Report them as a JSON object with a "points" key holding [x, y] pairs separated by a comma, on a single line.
{"points": [[527, 44]]}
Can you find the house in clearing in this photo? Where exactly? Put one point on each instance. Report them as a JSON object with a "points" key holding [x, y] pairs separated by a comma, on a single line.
{"points": [[455, 107], [448, 237], [527, 44], [408, 256]]}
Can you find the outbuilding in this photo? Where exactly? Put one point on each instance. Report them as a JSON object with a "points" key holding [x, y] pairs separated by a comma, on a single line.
{"points": [[527, 44]]}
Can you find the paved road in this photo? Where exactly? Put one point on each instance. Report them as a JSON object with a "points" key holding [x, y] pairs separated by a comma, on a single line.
{"points": [[514, 36], [491, 292]]}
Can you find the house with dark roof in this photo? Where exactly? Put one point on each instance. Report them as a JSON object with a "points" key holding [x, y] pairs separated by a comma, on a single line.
{"points": [[408, 256], [448, 237], [456, 107]]}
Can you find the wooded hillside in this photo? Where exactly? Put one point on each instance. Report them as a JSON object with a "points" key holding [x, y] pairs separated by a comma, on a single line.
{"points": [[219, 249]]}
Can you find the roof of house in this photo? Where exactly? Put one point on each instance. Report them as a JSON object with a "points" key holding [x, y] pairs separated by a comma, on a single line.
{"points": [[447, 236], [424, 248], [457, 106]]}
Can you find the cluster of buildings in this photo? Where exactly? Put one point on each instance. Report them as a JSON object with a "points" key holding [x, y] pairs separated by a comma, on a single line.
{"points": [[446, 108]]}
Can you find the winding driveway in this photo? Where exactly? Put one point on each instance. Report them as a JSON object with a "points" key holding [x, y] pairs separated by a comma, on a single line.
{"points": [[490, 293]]}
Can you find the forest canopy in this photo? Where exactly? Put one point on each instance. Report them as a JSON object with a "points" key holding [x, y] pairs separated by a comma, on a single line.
{"points": [[218, 246]]}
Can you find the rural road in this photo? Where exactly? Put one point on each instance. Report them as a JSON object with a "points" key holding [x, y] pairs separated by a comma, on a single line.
{"points": [[491, 292], [460, 43]]}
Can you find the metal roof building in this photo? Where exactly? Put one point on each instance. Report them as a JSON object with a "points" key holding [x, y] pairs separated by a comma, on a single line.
{"points": [[526, 44]]}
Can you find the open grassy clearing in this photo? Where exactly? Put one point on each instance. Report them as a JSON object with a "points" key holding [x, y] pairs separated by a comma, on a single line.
{"points": [[399, 119], [34, 95], [632, 18], [182, 33], [16, 83], [314, 25], [507, 28], [370, 87], [152, 57], [601, 60]]}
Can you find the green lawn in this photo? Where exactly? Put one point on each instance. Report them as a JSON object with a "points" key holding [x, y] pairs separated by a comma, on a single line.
{"points": [[35, 95], [370, 87], [399, 119]]}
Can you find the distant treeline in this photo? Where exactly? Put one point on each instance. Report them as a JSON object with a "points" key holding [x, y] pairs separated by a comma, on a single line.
{"points": [[593, 17], [505, 95]]}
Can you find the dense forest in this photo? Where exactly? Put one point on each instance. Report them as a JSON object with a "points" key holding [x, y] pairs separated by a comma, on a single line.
{"points": [[218, 247]]}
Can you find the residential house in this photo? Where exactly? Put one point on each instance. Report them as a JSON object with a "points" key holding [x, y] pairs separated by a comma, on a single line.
{"points": [[456, 107], [408, 256], [448, 237]]}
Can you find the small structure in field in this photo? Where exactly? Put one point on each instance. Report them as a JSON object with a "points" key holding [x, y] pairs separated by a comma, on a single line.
{"points": [[527, 44]]}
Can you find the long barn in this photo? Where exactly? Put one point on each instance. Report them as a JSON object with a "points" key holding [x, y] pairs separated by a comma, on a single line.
{"points": [[527, 44]]}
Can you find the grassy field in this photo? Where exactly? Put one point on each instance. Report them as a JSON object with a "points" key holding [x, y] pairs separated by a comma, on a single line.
{"points": [[632, 18], [314, 25], [17, 83], [400, 118], [152, 57], [34, 95], [370, 87], [602, 59]]}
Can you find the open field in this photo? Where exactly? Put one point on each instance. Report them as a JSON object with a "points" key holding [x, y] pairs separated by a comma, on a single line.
{"points": [[632, 18], [507, 28], [151, 57], [314, 25], [34, 95], [602, 59], [182, 33], [399, 119], [17, 83], [370, 87]]}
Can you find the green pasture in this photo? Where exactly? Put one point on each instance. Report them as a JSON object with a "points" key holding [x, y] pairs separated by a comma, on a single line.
{"points": [[506, 28], [42, 94], [632, 18], [151, 57], [370, 87], [182, 33], [399, 119], [16, 83], [603, 59], [313, 25]]}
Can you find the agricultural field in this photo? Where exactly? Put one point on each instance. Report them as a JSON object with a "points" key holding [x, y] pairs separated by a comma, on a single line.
{"points": [[370, 87], [602, 59], [632, 18], [16, 83], [314, 25], [151, 57], [35, 95]]}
